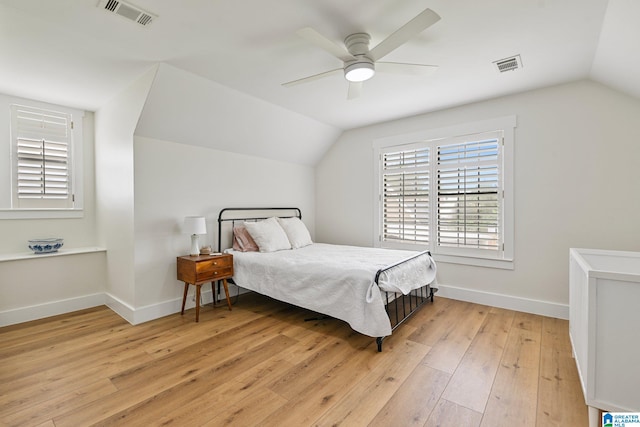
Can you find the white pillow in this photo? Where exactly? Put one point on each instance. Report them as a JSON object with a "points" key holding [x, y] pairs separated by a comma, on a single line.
{"points": [[297, 232], [268, 235]]}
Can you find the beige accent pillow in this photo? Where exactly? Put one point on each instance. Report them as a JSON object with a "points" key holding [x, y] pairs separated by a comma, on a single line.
{"points": [[268, 235], [296, 231]]}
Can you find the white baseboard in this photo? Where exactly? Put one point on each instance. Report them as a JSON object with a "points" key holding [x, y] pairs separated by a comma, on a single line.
{"points": [[120, 307], [127, 312], [155, 311], [149, 312], [54, 308], [543, 308]]}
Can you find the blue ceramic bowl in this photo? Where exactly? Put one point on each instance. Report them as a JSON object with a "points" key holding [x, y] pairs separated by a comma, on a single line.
{"points": [[45, 246]]}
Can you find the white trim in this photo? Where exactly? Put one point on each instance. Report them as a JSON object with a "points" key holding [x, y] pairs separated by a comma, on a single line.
{"points": [[40, 213], [132, 315], [445, 132], [135, 316], [61, 252], [504, 264], [120, 307], [527, 305], [75, 165], [54, 308], [166, 308]]}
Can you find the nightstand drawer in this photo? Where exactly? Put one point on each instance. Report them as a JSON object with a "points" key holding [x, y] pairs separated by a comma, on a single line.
{"points": [[213, 263], [204, 268], [215, 273]]}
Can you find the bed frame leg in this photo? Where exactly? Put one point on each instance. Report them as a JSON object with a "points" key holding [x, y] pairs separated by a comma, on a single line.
{"points": [[379, 342]]}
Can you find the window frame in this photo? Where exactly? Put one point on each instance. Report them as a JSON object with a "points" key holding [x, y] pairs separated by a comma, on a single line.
{"points": [[448, 135], [75, 166]]}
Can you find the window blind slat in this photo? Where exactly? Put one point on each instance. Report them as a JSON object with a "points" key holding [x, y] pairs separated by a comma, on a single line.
{"points": [[42, 153], [469, 208], [405, 196]]}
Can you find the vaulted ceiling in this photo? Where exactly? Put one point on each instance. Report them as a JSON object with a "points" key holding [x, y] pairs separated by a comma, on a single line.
{"points": [[74, 53]]}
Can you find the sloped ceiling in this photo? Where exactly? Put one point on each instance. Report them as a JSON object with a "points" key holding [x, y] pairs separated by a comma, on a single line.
{"points": [[189, 109], [617, 59], [72, 52]]}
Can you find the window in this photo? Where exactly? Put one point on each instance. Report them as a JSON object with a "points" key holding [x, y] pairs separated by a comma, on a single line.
{"points": [[45, 162], [405, 195], [469, 189], [450, 194], [41, 158]]}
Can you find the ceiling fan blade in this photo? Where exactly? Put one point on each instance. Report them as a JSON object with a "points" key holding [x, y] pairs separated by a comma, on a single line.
{"points": [[324, 43], [403, 34], [312, 78], [355, 90], [407, 69]]}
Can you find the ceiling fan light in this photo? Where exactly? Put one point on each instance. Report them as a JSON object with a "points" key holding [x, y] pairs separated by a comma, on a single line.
{"points": [[359, 72]]}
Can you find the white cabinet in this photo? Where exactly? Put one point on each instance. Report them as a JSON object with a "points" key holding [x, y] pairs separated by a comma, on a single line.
{"points": [[604, 326]]}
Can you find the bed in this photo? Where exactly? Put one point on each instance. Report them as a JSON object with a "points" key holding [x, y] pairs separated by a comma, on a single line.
{"points": [[374, 290]]}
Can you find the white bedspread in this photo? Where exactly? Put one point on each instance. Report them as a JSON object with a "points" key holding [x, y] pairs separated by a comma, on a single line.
{"points": [[335, 280]]}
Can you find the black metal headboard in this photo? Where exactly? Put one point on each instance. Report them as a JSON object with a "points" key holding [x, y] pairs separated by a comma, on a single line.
{"points": [[251, 214]]}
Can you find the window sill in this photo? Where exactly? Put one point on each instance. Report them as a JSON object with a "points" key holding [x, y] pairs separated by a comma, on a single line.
{"points": [[40, 213], [476, 261], [62, 252], [503, 264]]}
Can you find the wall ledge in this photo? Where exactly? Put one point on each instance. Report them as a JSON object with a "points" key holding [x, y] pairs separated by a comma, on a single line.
{"points": [[63, 252]]}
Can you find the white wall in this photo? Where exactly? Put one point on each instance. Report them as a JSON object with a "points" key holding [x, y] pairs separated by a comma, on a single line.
{"points": [[200, 147], [114, 128], [576, 159], [32, 288], [174, 180]]}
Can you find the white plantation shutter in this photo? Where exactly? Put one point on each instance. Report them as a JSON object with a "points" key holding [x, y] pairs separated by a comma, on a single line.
{"points": [[449, 190], [41, 158], [469, 175], [405, 196]]}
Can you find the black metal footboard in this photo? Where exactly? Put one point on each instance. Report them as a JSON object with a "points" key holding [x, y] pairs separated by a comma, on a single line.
{"points": [[400, 307]]}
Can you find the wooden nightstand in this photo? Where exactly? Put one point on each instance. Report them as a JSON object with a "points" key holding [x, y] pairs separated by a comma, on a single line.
{"points": [[200, 269]]}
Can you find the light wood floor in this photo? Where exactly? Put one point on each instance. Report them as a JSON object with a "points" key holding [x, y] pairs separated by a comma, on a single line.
{"points": [[453, 364]]}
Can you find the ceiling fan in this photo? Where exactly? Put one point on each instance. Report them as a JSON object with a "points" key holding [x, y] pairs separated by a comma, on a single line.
{"points": [[360, 63]]}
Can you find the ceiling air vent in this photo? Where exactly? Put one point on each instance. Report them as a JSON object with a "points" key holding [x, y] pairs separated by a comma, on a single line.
{"points": [[128, 11], [509, 64]]}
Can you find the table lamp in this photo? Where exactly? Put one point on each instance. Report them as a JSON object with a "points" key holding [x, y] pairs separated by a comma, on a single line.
{"points": [[195, 225]]}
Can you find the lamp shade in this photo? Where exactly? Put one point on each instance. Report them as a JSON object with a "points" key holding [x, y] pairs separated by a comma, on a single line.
{"points": [[195, 225]]}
